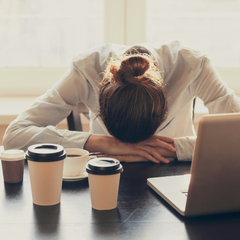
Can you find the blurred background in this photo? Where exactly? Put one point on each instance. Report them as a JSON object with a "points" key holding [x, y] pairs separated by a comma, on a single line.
{"points": [[39, 38]]}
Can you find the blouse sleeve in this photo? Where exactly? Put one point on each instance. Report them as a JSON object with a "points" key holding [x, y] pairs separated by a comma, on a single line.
{"points": [[216, 96], [213, 91], [37, 124]]}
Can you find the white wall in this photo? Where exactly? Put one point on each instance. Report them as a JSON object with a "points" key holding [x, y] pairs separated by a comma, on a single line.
{"points": [[28, 81], [125, 21]]}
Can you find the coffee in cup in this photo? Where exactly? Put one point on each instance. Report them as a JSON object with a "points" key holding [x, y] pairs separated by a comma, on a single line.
{"points": [[45, 163], [103, 178], [75, 162], [13, 165]]}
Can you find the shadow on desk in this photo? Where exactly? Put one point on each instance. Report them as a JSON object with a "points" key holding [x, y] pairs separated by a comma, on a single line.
{"points": [[46, 219], [13, 191], [220, 227]]}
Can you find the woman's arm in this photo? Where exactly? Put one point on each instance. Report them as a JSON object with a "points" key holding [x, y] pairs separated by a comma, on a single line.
{"points": [[214, 92], [37, 124], [155, 149]]}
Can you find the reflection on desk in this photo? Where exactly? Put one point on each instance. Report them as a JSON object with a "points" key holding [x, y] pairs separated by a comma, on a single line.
{"points": [[141, 214]]}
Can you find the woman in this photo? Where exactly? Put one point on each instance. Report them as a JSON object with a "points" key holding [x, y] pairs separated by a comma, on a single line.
{"points": [[139, 99]]}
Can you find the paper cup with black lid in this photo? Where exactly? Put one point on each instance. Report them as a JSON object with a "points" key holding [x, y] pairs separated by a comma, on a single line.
{"points": [[12, 165], [103, 178], [45, 164]]}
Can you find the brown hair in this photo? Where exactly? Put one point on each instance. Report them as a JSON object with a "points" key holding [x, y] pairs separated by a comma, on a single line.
{"points": [[132, 98]]}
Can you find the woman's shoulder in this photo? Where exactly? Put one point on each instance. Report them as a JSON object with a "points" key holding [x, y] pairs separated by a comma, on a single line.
{"points": [[177, 53]]}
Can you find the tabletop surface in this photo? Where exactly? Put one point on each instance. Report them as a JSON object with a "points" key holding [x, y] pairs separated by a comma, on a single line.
{"points": [[141, 213]]}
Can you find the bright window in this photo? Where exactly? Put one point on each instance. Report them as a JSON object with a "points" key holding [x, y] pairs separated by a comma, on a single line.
{"points": [[211, 26], [48, 33], [39, 38]]}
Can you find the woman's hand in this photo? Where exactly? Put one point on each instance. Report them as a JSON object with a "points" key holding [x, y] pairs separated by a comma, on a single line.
{"points": [[154, 149]]}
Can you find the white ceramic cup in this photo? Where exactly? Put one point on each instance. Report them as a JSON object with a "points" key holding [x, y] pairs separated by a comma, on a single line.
{"points": [[75, 162]]}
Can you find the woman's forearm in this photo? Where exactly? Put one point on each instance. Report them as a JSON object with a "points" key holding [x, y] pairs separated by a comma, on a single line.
{"points": [[154, 149], [98, 143]]}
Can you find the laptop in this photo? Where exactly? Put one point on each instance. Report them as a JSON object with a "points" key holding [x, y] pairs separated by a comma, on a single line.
{"points": [[213, 185]]}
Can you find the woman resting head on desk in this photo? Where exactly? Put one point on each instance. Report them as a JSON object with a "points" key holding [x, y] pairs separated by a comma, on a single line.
{"points": [[140, 108], [133, 104]]}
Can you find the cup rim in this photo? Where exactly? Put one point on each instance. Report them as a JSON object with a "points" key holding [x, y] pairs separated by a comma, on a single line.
{"points": [[104, 166], [68, 149]]}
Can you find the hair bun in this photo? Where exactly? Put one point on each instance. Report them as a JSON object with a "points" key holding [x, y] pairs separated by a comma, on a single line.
{"points": [[132, 69], [134, 66]]}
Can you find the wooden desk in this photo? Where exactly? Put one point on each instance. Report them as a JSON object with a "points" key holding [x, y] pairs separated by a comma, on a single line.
{"points": [[141, 214]]}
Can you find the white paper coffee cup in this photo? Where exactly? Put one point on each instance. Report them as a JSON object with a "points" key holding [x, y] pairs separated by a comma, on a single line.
{"points": [[103, 178], [45, 163], [75, 162]]}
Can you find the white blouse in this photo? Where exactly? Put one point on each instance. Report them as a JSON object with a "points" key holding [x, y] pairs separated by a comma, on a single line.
{"points": [[186, 72]]}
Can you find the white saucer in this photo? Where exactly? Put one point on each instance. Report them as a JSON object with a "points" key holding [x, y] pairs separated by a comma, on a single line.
{"points": [[77, 178]]}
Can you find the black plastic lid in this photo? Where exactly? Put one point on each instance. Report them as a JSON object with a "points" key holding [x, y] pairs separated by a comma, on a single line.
{"points": [[104, 166], [45, 152]]}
